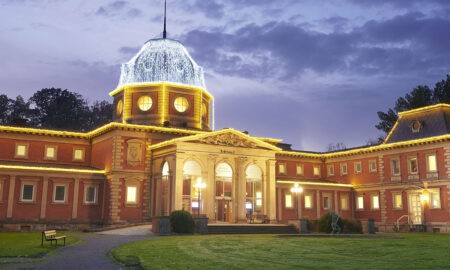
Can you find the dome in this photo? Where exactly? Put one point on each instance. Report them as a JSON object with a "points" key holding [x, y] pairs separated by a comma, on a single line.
{"points": [[162, 60]]}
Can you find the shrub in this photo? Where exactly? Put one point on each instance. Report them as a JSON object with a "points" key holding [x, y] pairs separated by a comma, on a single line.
{"points": [[182, 222], [324, 223], [352, 226]]}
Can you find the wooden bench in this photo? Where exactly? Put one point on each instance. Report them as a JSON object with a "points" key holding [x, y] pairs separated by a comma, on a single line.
{"points": [[51, 236], [259, 218]]}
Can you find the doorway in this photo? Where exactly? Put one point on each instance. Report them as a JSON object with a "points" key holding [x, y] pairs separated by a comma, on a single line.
{"points": [[223, 209], [415, 208]]}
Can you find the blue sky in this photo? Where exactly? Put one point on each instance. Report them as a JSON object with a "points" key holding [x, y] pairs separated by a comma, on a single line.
{"points": [[309, 72]]}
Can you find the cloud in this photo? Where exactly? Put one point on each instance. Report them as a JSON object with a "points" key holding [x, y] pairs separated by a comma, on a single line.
{"points": [[118, 8], [401, 3]]}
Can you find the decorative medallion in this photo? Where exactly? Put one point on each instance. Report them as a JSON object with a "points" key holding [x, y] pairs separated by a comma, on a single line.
{"points": [[415, 126], [134, 152]]}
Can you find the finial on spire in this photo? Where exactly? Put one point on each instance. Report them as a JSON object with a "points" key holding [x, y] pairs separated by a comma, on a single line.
{"points": [[164, 32]]}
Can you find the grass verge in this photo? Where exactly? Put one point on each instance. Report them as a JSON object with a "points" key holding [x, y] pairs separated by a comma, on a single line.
{"points": [[409, 251]]}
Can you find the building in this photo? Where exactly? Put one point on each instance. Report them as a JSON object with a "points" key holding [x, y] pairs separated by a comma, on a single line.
{"points": [[161, 153]]}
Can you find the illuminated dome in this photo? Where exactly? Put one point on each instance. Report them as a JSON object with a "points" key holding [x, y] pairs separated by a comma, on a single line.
{"points": [[162, 60]]}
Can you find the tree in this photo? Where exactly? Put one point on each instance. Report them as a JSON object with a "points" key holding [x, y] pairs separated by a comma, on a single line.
{"points": [[20, 113], [441, 92], [5, 106], [100, 114], [336, 147]]}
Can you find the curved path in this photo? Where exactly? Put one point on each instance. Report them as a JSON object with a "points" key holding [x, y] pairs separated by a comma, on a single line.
{"points": [[92, 253]]}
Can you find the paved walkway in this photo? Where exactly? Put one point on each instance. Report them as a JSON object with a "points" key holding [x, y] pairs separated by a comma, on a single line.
{"points": [[92, 253]]}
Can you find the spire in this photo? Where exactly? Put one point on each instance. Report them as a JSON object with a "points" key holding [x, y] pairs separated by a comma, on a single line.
{"points": [[164, 32]]}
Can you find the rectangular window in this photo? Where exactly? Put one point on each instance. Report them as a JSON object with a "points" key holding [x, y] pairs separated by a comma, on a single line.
{"points": [[435, 199], [131, 194], [288, 200], [360, 202], [59, 193], [343, 168], [431, 163], [326, 201], [375, 201], [357, 167], [78, 154], [372, 165], [21, 150], [90, 194], [308, 201], [27, 193], [330, 169], [344, 202], [299, 169], [316, 170], [282, 168], [50, 152], [412, 165], [395, 166], [258, 198], [397, 200]]}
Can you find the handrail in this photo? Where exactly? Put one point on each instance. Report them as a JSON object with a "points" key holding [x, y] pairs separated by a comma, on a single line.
{"points": [[398, 221]]}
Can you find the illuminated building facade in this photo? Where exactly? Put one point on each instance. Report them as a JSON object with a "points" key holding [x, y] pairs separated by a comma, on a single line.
{"points": [[161, 153]]}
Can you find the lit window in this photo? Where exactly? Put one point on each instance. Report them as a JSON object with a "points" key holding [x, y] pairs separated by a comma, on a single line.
{"points": [[90, 194], [59, 193], [78, 154], [131, 194], [397, 201], [258, 198], [435, 199], [344, 202], [357, 167], [27, 193], [375, 201], [330, 170], [21, 150], [360, 202], [343, 168], [145, 103], [395, 166], [316, 170], [181, 104], [282, 168], [372, 165], [299, 169], [308, 201], [50, 152], [412, 165], [431, 163], [119, 107], [326, 201], [288, 200]]}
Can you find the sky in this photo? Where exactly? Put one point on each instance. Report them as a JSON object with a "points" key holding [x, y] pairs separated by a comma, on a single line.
{"points": [[309, 72]]}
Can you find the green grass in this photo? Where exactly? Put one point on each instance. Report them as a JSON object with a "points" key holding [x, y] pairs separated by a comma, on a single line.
{"points": [[28, 244], [409, 251]]}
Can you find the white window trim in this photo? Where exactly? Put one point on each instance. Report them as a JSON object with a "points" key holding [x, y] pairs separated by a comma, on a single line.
{"points": [[347, 199], [54, 193], [355, 166], [392, 167], [358, 206], [83, 154], [86, 186], [310, 201], [410, 167], [326, 195], [428, 163], [342, 166], [135, 185], [330, 170], [45, 152], [16, 154], [372, 200], [372, 161], [394, 195], [434, 191], [33, 195]]}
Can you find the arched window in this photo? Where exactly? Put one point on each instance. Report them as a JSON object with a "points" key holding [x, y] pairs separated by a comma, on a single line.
{"points": [[224, 187]]}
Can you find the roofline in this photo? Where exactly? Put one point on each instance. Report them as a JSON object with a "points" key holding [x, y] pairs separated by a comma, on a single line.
{"points": [[52, 169]]}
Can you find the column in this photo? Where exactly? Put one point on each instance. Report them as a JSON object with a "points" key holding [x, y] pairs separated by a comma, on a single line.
{"points": [[270, 190], [240, 190], [114, 198], [209, 196], [317, 204], [76, 192], [44, 197], [177, 199], [12, 185]]}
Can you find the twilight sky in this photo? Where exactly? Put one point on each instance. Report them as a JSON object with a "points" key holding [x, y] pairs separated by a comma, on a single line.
{"points": [[310, 72]]}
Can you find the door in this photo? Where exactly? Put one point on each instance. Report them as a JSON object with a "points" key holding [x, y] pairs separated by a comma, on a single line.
{"points": [[223, 209], [415, 208]]}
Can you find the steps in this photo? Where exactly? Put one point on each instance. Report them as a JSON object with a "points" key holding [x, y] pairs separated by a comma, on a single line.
{"points": [[251, 229]]}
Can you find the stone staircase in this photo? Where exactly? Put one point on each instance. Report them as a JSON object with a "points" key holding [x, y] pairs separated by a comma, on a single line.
{"points": [[251, 229]]}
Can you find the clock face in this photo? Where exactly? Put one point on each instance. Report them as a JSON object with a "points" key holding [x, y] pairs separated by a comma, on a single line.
{"points": [[119, 107], [181, 104], [145, 103]]}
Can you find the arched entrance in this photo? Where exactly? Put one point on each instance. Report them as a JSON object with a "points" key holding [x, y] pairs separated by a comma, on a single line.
{"points": [[253, 189], [191, 172], [224, 187]]}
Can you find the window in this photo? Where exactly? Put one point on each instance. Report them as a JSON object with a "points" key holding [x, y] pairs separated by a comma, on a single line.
{"points": [[326, 201], [431, 163], [412, 165], [397, 201], [343, 168], [299, 169], [50, 152], [316, 170], [435, 199], [144, 103], [330, 170], [360, 202], [308, 201], [59, 193], [395, 166], [357, 166], [344, 202], [78, 154], [181, 104], [131, 194], [90, 194], [27, 193], [288, 200], [119, 107], [375, 201], [282, 168], [258, 198], [21, 150], [372, 165]]}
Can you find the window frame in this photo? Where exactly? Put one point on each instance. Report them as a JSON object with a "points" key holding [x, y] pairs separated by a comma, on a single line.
{"points": [[144, 105], [357, 164], [410, 167], [282, 165], [2, 185], [176, 104], [137, 192], [33, 193], [359, 202], [374, 168], [83, 154], [397, 160], [394, 201], [55, 147], [288, 198], [330, 169], [328, 196], [86, 187], [300, 172], [436, 192], [308, 197], [427, 156], [16, 149], [316, 170], [342, 166], [55, 185], [374, 205], [346, 198]]}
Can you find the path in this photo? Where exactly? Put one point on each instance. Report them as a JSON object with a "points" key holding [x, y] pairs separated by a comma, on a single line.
{"points": [[92, 253]]}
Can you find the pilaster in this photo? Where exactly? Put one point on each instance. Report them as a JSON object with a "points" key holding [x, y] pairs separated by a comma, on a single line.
{"points": [[270, 190], [12, 186], [44, 197], [76, 191]]}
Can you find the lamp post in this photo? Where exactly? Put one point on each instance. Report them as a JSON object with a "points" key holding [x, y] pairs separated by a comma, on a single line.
{"points": [[199, 185], [296, 189]]}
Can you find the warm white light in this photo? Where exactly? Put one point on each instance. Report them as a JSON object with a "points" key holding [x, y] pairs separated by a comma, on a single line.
{"points": [[296, 188], [131, 194], [195, 204], [199, 184], [248, 205]]}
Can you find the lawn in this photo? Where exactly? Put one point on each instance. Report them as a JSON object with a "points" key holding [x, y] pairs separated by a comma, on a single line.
{"points": [[406, 251], [28, 244]]}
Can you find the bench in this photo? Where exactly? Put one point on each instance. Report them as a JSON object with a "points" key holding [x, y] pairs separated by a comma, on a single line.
{"points": [[260, 218], [51, 236]]}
